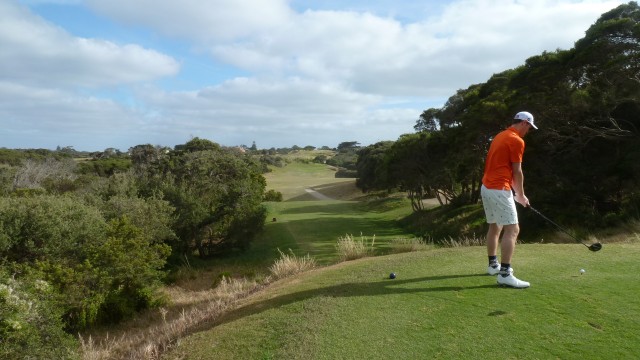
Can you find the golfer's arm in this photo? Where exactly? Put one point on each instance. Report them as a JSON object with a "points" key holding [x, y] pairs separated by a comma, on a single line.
{"points": [[518, 178]]}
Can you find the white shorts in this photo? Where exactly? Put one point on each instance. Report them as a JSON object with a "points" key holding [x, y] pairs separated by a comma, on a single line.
{"points": [[499, 206]]}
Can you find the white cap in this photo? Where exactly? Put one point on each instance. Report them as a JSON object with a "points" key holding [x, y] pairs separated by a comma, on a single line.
{"points": [[526, 116]]}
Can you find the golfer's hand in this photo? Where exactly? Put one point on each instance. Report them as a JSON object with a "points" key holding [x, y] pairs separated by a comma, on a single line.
{"points": [[522, 199]]}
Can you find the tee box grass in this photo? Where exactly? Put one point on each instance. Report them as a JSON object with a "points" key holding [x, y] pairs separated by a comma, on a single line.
{"points": [[441, 306]]}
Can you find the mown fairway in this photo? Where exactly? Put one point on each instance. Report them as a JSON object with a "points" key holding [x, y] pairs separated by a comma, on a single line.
{"points": [[310, 226], [441, 305]]}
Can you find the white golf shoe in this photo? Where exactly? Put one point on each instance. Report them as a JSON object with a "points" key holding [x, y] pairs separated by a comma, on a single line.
{"points": [[493, 270], [512, 281]]}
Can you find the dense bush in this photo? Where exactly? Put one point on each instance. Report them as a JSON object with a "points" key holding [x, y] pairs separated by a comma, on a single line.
{"points": [[345, 173], [86, 259], [88, 246], [273, 195], [104, 167], [31, 320]]}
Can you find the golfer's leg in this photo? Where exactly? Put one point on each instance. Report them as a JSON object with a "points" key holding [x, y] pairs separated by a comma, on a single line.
{"points": [[508, 242], [492, 239]]}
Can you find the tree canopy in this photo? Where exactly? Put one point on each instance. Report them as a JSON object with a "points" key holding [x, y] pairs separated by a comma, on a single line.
{"points": [[586, 155]]}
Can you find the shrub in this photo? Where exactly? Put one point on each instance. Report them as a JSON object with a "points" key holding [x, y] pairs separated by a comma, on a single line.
{"points": [[217, 195], [154, 217], [273, 195], [30, 321], [48, 228], [94, 267], [133, 264]]}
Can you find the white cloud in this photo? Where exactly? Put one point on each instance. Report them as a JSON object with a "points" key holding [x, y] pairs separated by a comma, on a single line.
{"points": [[467, 43], [311, 78], [302, 111], [47, 118], [39, 53]]}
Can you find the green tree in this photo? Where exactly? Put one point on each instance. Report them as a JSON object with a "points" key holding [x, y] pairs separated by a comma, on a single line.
{"points": [[372, 167], [216, 193]]}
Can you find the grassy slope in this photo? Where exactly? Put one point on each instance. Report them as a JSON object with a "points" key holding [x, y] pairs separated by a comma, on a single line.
{"points": [[293, 179], [309, 226], [306, 225], [440, 306]]}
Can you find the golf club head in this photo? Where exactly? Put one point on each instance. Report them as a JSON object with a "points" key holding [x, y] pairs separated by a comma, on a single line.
{"points": [[595, 247]]}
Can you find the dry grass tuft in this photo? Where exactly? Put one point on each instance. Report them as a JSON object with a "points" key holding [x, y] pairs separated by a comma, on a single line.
{"points": [[290, 264], [351, 249]]}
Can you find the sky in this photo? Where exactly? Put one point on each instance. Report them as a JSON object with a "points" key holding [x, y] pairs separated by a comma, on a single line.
{"points": [[98, 74]]}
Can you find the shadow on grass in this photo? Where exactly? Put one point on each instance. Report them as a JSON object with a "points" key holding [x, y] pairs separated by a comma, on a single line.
{"points": [[378, 288], [303, 197], [318, 236]]}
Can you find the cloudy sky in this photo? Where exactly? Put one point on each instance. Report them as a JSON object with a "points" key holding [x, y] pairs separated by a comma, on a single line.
{"points": [[97, 74]]}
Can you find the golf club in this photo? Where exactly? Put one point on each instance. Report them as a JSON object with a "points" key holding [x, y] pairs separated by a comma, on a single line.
{"points": [[593, 247]]}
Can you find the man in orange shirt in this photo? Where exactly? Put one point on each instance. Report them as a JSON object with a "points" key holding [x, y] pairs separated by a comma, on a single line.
{"points": [[502, 174]]}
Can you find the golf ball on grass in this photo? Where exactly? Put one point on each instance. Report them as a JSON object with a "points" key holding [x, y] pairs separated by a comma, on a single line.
{"points": [[581, 271], [392, 276]]}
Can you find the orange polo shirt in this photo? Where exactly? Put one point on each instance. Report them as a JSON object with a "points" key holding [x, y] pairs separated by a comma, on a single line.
{"points": [[506, 148]]}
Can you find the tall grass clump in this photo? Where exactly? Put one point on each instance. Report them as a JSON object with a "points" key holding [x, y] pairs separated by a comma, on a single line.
{"points": [[290, 264], [351, 249]]}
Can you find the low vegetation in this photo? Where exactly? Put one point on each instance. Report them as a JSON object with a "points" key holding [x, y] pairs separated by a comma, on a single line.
{"points": [[290, 264], [84, 247], [350, 249]]}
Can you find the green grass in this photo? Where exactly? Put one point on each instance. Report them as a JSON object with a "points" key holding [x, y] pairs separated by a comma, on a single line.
{"points": [[440, 306], [308, 226], [293, 179], [315, 227]]}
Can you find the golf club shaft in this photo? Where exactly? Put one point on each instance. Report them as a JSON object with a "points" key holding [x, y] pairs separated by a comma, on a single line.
{"points": [[558, 226]]}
